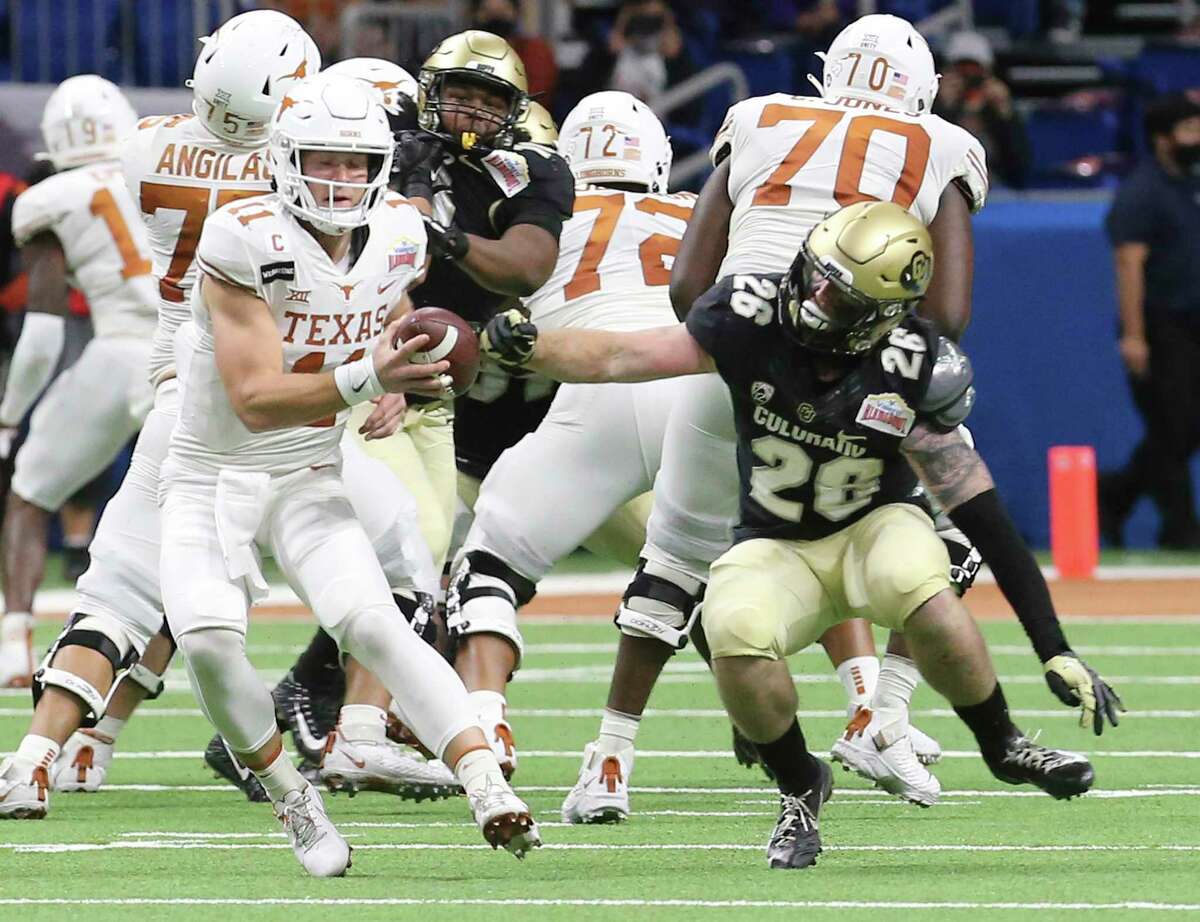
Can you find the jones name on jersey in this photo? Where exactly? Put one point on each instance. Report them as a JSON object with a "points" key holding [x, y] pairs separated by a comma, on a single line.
{"points": [[812, 456], [326, 315]]}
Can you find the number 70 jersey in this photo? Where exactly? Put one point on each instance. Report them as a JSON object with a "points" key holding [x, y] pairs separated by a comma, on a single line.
{"points": [[793, 160]]}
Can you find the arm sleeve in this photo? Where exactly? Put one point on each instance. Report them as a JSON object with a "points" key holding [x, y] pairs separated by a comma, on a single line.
{"points": [[33, 361], [225, 254]]}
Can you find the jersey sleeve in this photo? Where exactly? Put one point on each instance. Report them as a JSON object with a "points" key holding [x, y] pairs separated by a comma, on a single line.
{"points": [[949, 393], [970, 173], [722, 145], [134, 152], [38, 209], [1135, 214], [226, 253], [547, 198], [729, 324]]}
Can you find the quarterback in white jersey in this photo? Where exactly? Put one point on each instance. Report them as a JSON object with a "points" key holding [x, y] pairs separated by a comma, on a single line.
{"points": [[294, 318], [599, 445], [77, 227]]}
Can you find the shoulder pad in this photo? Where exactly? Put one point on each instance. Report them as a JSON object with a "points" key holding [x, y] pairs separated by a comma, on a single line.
{"points": [[950, 395], [39, 208]]}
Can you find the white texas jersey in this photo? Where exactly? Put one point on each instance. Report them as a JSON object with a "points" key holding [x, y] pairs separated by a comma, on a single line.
{"points": [[178, 173], [108, 257], [614, 262], [326, 316], [796, 159]]}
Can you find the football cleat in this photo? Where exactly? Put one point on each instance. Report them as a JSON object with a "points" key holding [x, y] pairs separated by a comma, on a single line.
{"points": [[1059, 773], [881, 751], [500, 738], [309, 717], [366, 765], [16, 651], [83, 762], [504, 819], [796, 841], [928, 750], [220, 758], [24, 791], [746, 754], [601, 795], [317, 844]]}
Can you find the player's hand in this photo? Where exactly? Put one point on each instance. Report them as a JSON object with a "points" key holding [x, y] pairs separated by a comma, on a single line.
{"points": [[1075, 683], [386, 418], [509, 338], [399, 372], [1135, 353], [8, 438], [446, 241], [416, 156]]}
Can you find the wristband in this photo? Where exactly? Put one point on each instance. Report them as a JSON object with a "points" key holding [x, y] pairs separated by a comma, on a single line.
{"points": [[357, 382]]}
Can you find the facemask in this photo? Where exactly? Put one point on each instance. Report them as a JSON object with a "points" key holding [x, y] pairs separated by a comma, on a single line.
{"points": [[499, 26]]}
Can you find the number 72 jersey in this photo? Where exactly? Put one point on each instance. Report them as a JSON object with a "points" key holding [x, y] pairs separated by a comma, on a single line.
{"points": [[793, 160]]}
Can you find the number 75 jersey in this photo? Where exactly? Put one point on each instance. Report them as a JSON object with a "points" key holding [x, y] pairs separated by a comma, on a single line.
{"points": [[793, 160]]}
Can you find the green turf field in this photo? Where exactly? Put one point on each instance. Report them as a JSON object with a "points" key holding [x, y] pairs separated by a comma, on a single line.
{"points": [[168, 832]]}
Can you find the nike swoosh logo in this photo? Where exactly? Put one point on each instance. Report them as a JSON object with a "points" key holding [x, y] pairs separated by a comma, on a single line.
{"points": [[242, 771], [383, 288], [307, 739], [359, 386]]}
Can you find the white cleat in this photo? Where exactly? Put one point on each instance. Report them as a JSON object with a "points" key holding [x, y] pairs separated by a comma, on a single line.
{"points": [[504, 819], [83, 762], [928, 750], [382, 766], [601, 795], [500, 738], [24, 792], [16, 651], [317, 844], [878, 748]]}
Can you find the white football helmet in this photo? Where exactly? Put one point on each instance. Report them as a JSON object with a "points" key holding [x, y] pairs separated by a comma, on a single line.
{"points": [[84, 121], [614, 137], [880, 58], [392, 80], [330, 113], [243, 70]]}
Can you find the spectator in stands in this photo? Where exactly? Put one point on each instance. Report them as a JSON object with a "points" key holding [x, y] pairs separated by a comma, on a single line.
{"points": [[645, 55], [1154, 227], [972, 96], [500, 17]]}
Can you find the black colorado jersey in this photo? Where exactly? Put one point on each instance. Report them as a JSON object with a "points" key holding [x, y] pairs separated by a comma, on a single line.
{"points": [[813, 457]]}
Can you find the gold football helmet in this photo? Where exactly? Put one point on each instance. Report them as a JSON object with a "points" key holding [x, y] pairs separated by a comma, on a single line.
{"points": [[537, 126], [858, 273], [480, 58]]}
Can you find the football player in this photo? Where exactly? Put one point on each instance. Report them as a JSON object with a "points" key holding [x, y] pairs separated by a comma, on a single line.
{"points": [[253, 461], [840, 393], [612, 273], [782, 162], [77, 227]]}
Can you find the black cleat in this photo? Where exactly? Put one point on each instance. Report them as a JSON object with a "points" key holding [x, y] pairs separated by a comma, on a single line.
{"points": [[221, 760], [308, 715], [796, 841], [1059, 773], [746, 754]]}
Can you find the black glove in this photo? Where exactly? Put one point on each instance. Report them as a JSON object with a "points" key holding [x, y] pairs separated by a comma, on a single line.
{"points": [[509, 338], [446, 241], [416, 157], [1075, 683]]}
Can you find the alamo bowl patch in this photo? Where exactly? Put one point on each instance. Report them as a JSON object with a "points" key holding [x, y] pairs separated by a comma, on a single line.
{"points": [[886, 413], [509, 170], [403, 254]]}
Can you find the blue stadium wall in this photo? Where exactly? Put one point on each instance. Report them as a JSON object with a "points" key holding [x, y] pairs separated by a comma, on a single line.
{"points": [[1043, 341]]}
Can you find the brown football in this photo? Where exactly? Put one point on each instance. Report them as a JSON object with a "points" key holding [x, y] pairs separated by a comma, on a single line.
{"points": [[450, 338]]}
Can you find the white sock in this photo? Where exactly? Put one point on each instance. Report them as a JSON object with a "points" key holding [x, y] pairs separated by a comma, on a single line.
{"points": [[15, 627], [897, 681], [280, 778], [859, 675], [37, 750], [489, 705], [110, 727], [363, 723], [617, 731], [477, 770]]}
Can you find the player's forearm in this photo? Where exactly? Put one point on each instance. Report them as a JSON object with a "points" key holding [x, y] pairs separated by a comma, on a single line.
{"points": [[33, 362], [506, 266], [602, 356], [284, 401]]}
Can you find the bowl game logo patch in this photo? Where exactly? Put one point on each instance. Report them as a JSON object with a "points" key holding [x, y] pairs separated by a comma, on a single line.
{"points": [[403, 254], [886, 413]]}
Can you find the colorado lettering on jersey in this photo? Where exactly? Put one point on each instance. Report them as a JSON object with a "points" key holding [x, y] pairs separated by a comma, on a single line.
{"points": [[193, 161], [849, 445], [333, 329]]}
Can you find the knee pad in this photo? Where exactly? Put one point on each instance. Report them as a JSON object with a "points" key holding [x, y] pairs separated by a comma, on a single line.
{"points": [[660, 603], [418, 610], [95, 632], [484, 596]]}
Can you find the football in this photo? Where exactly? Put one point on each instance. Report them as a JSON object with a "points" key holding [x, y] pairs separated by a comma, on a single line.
{"points": [[450, 338]]}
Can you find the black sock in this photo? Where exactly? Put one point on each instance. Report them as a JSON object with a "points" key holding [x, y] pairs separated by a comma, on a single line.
{"points": [[796, 771], [319, 667], [990, 723]]}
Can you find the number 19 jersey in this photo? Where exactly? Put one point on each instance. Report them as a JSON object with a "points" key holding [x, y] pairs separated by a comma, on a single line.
{"points": [[796, 159]]}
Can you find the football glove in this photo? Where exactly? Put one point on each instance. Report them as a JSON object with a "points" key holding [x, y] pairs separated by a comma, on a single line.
{"points": [[446, 241], [1075, 683], [416, 156], [509, 338]]}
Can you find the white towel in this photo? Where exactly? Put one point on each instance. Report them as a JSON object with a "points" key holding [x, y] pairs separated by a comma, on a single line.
{"points": [[241, 504]]}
